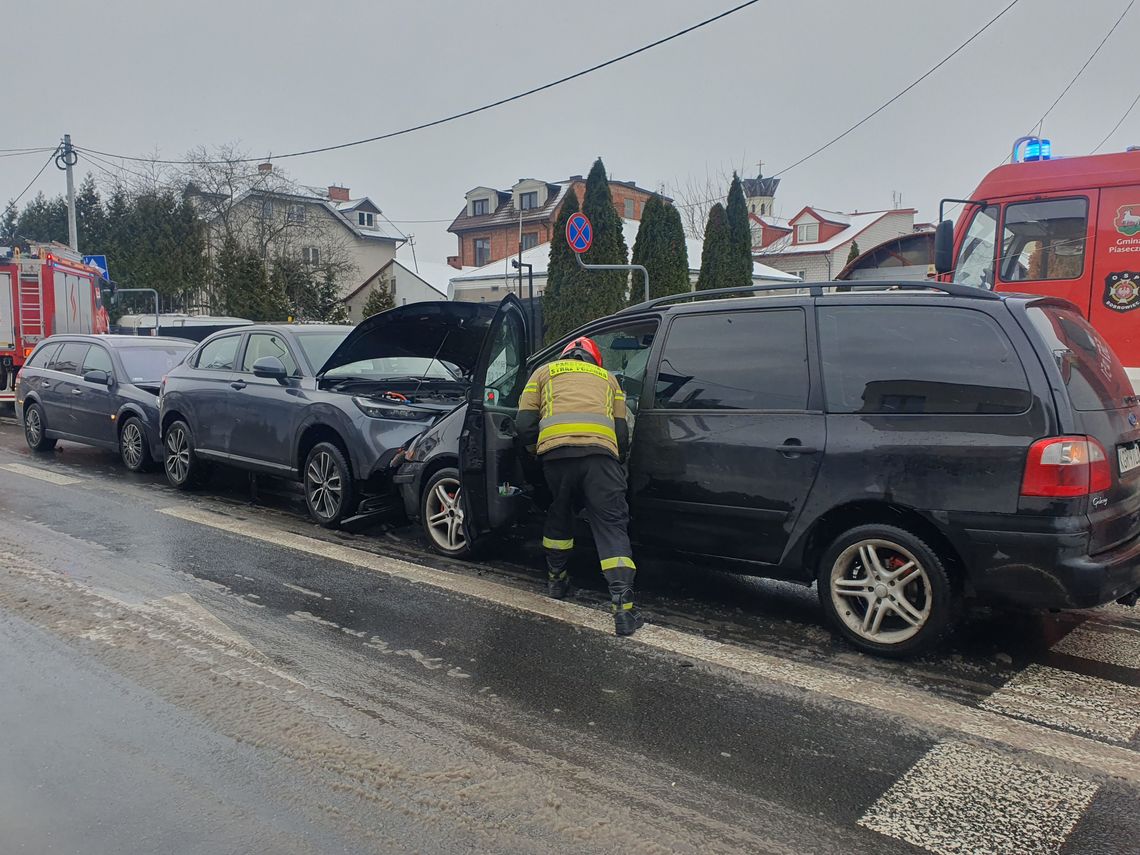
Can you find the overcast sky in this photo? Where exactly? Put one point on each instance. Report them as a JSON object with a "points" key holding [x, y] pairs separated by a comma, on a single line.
{"points": [[769, 83]]}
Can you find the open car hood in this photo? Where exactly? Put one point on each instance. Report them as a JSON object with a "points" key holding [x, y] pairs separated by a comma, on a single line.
{"points": [[451, 332]]}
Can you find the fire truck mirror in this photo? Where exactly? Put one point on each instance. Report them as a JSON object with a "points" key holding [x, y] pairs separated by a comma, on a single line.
{"points": [[944, 247]]}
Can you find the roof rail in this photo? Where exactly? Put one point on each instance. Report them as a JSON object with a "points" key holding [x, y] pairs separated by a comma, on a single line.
{"points": [[817, 289]]}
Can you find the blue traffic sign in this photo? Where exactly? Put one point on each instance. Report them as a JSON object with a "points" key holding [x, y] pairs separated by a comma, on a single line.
{"points": [[99, 262], [579, 233]]}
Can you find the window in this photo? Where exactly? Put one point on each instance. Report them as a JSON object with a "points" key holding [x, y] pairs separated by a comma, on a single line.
{"points": [[295, 213], [528, 201], [918, 359], [318, 347], [1044, 240], [97, 359], [1091, 371], [261, 345], [219, 354], [479, 207], [807, 233], [150, 363], [506, 373], [630, 209], [737, 361], [42, 357], [70, 357], [311, 255], [482, 251], [763, 209], [976, 259], [529, 240], [365, 218], [625, 352]]}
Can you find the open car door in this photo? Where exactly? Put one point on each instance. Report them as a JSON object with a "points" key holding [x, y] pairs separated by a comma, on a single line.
{"points": [[487, 457]]}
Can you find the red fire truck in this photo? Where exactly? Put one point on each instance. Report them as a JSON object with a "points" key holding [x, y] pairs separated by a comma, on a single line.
{"points": [[45, 288], [1065, 227]]}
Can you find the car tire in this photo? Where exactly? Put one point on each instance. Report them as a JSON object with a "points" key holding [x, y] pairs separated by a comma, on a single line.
{"points": [[134, 450], [441, 514], [35, 429], [887, 591], [184, 469], [330, 491]]}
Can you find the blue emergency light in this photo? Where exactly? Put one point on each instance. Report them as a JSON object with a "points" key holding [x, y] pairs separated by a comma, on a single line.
{"points": [[1038, 149]]}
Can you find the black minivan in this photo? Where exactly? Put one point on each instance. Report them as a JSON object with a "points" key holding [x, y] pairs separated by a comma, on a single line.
{"points": [[906, 446]]}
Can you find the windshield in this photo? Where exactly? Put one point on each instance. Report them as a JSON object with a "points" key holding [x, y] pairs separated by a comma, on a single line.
{"points": [[1092, 373], [150, 364], [319, 346], [396, 366]]}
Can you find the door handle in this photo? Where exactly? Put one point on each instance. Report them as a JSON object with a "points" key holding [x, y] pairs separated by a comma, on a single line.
{"points": [[793, 448], [76, 391], [45, 385], [238, 384]]}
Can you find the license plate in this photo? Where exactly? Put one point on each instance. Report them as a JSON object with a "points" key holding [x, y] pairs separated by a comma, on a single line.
{"points": [[1128, 456]]}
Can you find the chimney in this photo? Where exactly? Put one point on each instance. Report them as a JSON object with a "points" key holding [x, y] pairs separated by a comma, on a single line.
{"points": [[264, 168], [338, 194]]}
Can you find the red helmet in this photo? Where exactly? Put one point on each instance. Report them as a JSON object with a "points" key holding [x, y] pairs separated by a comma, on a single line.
{"points": [[585, 349]]}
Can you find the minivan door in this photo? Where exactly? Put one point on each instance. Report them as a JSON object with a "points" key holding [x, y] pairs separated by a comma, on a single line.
{"points": [[723, 461], [487, 458]]}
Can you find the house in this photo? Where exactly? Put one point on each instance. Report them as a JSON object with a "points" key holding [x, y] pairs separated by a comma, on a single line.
{"points": [[408, 282], [815, 243], [492, 282], [494, 222], [323, 227], [904, 257]]}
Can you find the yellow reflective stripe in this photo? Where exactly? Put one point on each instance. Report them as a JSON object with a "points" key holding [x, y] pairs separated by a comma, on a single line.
{"points": [[551, 543], [619, 561], [530, 387], [576, 418], [574, 366], [577, 430], [619, 396]]}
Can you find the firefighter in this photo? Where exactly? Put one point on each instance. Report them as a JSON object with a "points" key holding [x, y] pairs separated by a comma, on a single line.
{"points": [[573, 416]]}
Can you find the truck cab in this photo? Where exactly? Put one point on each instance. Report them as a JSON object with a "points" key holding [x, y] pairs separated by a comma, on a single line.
{"points": [[1064, 227]]}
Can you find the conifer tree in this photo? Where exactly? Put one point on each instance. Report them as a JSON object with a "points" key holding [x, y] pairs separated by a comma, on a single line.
{"points": [[558, 312], [660, 248], [717, 262], [740, 232], [854, 253], [379, 300], [604, 292]]}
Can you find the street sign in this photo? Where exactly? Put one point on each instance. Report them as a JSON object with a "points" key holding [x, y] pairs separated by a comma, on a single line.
{"points": [[99, 262], [579, 233]]}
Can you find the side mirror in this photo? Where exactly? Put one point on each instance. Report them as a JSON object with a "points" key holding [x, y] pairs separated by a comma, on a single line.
{"points": [[944, 247], [97, 377], [271, 368]]}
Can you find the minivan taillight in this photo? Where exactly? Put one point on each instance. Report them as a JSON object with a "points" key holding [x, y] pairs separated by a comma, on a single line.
{"points": [[1063, 466]]}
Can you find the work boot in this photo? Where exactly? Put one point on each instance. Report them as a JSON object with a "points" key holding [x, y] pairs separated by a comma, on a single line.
{"points": [[627, 618], [557, 584]]}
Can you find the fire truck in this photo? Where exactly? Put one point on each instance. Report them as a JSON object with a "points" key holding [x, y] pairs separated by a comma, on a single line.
{"points": [[45, 288], [1065, 227]]}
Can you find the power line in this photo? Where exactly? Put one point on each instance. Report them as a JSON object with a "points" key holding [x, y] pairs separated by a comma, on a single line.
{"points": [[896, 97], [1116, 127], [1040, 123], [455, 116], [20, 195], [30, 150]]}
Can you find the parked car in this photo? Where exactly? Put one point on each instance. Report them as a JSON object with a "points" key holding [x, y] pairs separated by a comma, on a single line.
{"points": [[905, 450], [100, 390], [330, 406]]}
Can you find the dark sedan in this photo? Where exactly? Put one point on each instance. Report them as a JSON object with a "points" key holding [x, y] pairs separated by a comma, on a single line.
{"points": [[331, 407], [99, 390]]}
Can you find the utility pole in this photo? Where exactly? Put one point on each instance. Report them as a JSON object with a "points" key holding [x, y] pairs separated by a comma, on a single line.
{"points": [[66, 159]]}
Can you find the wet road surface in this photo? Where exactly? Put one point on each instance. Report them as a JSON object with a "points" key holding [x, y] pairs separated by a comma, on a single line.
{"points": [[197, 673]]}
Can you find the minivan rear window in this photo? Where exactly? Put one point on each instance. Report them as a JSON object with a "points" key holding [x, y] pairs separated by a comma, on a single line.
{"points": [[1092, 372]]}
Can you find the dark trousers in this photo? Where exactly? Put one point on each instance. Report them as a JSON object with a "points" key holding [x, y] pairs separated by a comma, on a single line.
{"points": [[596, 481]]}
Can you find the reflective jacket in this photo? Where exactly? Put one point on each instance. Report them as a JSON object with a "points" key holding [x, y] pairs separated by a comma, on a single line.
{"points": [[573, 406]]}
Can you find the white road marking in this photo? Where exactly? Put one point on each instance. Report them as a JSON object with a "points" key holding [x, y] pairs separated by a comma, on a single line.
{"points": [[1102, 643], [41, 474], [301, 590], [1070, 701], [918, 706], [190, 608], [961, 798]]}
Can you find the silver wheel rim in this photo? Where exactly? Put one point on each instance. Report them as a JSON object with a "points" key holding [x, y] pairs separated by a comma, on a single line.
{"points": [[132, 443], [323, 486], [443, 512], [881, 591], [32, 426], [177, 455]]}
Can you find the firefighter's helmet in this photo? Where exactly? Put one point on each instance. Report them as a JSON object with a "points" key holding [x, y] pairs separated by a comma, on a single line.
{"points": [[584, 349]]}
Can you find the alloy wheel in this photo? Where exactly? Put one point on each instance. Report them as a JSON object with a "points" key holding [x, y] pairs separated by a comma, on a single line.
{"points": [[445, 515], [132, 445], [881, 591], [177, 455], [32, 426], [323, 485]]}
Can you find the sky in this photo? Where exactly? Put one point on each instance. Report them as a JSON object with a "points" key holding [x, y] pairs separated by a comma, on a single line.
{"points": [[770, 83]]}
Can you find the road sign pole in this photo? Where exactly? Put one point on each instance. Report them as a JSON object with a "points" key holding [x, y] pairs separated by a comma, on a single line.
{"points": [[580, 237], [626, 267]]}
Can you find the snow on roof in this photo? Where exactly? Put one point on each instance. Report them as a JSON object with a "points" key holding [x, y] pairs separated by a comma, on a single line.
{"points": [[833, 216], [434, 273], [857, 223], [539, 256], [773, 222]]}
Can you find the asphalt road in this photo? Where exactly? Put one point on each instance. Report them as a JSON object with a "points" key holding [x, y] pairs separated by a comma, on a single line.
{"points": [[196, 673]]}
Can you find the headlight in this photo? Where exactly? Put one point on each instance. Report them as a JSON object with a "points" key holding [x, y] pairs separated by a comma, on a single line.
{"points": [[379, 410]]}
